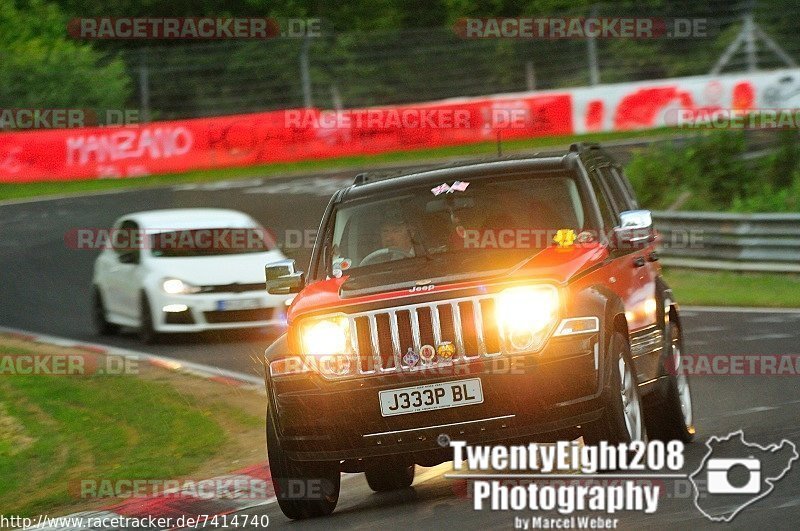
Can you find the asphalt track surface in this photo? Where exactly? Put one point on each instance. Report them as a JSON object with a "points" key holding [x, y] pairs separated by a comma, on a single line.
{"points": [[46, 288]]}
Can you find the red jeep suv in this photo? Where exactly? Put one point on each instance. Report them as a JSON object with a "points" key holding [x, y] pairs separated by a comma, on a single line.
{"points": [[491, 302]]}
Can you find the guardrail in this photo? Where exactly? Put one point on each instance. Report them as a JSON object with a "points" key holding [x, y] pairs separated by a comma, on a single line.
{"points": [[733, 242]]}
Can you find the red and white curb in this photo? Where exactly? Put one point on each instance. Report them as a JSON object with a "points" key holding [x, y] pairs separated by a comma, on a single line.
{"points": [[196, 505], [207, 372]]}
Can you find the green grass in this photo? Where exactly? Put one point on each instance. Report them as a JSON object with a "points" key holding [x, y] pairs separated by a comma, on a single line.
{"points": [[24, 190], [722, 288], [58, 430]]}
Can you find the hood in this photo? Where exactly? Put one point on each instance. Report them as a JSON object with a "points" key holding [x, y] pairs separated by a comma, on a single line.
{"points": [[245, 268], [552, 264]]}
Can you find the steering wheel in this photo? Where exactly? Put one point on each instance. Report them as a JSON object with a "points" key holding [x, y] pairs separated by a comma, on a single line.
{"points": [[387, 253]]}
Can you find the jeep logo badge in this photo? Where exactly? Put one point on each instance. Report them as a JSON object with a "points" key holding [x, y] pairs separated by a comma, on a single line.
{"points": [[422, 285]]}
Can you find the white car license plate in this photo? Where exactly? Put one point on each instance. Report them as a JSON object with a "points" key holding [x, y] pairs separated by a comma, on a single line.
{"points": [[239, 304], [431, 396]]}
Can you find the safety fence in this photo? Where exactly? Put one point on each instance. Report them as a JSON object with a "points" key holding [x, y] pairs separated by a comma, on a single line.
{"points": [[734, 242]]}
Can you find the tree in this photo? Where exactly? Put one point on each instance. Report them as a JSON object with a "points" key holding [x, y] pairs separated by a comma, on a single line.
{"points": [[41, 68]]}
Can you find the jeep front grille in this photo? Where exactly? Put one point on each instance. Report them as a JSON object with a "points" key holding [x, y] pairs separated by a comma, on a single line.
{"points": [[380, 338]]}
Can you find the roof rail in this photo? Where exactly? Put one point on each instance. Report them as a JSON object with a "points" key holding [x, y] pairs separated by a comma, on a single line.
{"points": [[379, 175]]}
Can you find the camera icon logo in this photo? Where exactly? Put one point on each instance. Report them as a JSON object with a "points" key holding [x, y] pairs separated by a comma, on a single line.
{"points": [[718, 476], [735, 473]]}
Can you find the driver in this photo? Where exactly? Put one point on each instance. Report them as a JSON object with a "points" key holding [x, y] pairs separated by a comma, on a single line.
{"points": [[396, 234]]}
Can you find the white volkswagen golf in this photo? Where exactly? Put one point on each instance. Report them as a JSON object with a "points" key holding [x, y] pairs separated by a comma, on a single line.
{"points": [[185, 270]]}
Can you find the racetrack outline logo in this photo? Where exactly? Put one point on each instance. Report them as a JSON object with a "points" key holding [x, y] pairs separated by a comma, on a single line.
{"points": [[769, 479]]}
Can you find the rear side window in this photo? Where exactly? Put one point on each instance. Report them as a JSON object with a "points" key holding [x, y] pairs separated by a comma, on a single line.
{"points": [[127, 238], [606, 207], [620, 188]]}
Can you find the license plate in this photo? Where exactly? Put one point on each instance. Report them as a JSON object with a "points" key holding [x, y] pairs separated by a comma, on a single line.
{"points": [[239, 304], [431, 396]]}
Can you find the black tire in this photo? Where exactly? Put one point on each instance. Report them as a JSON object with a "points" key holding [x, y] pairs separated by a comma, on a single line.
{"points": [[613, 425], [672, 418], [147, 334], [391, 475], [101, 324], [319, 481]]}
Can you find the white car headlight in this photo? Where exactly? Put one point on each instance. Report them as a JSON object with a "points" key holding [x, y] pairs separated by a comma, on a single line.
{"points": [[526, 314], [175, 286]]}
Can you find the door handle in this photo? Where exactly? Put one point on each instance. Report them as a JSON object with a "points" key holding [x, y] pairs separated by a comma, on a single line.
{"points": [[638, 261]]}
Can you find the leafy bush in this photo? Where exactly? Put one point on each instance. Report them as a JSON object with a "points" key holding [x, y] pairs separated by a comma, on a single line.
{"points": [[712, 172]]}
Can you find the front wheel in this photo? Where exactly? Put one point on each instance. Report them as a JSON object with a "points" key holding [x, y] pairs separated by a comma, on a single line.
{"points": [[390, 475], [672, 419], [101, 323], [622, 420], [147, 332], [305, 489]]}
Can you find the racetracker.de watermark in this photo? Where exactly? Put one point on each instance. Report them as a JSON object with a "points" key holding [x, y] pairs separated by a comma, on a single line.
{"points": [[66, 364], [226, 487], [736, 365], [555, 28], [193, 28], [344, 365], [379, 119], [52, 118], [409, 118], [530, 238], [733, 118], [170, 239]]}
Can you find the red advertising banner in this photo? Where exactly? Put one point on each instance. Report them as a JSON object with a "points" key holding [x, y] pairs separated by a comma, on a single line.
{"points": [[279, 136], [49, 153]]}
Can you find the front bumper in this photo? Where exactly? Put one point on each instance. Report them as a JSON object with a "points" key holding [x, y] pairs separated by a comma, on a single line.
{"points": [[525, 396], [217, 311]]}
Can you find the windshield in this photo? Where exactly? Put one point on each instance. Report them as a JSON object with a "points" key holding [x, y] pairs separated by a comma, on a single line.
{"points": [[209, 242], [458, 226]]}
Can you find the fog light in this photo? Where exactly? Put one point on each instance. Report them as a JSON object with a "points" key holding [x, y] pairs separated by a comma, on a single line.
{"points": [[174, 308]]}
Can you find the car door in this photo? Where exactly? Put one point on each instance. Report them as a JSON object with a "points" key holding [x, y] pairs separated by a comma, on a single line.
{"points": [[626, 266], [124, 272], [621, 268], [641, 306], [645, 259]]}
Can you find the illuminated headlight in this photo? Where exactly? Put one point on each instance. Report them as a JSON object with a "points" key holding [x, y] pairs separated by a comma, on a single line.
{"points": [[325, 344], [175, 286], [526, 314]]}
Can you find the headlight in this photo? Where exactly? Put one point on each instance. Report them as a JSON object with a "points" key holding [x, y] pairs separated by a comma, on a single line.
{"points": [[526, 314], [325, 345], [175, 286], [325, 337]]}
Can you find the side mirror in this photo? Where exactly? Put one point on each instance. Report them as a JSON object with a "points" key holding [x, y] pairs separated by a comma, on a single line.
{"points": [[282, 278], [635, 230]]}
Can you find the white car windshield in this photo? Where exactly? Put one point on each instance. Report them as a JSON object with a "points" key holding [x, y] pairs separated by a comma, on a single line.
{"points": [[210, 242]]}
